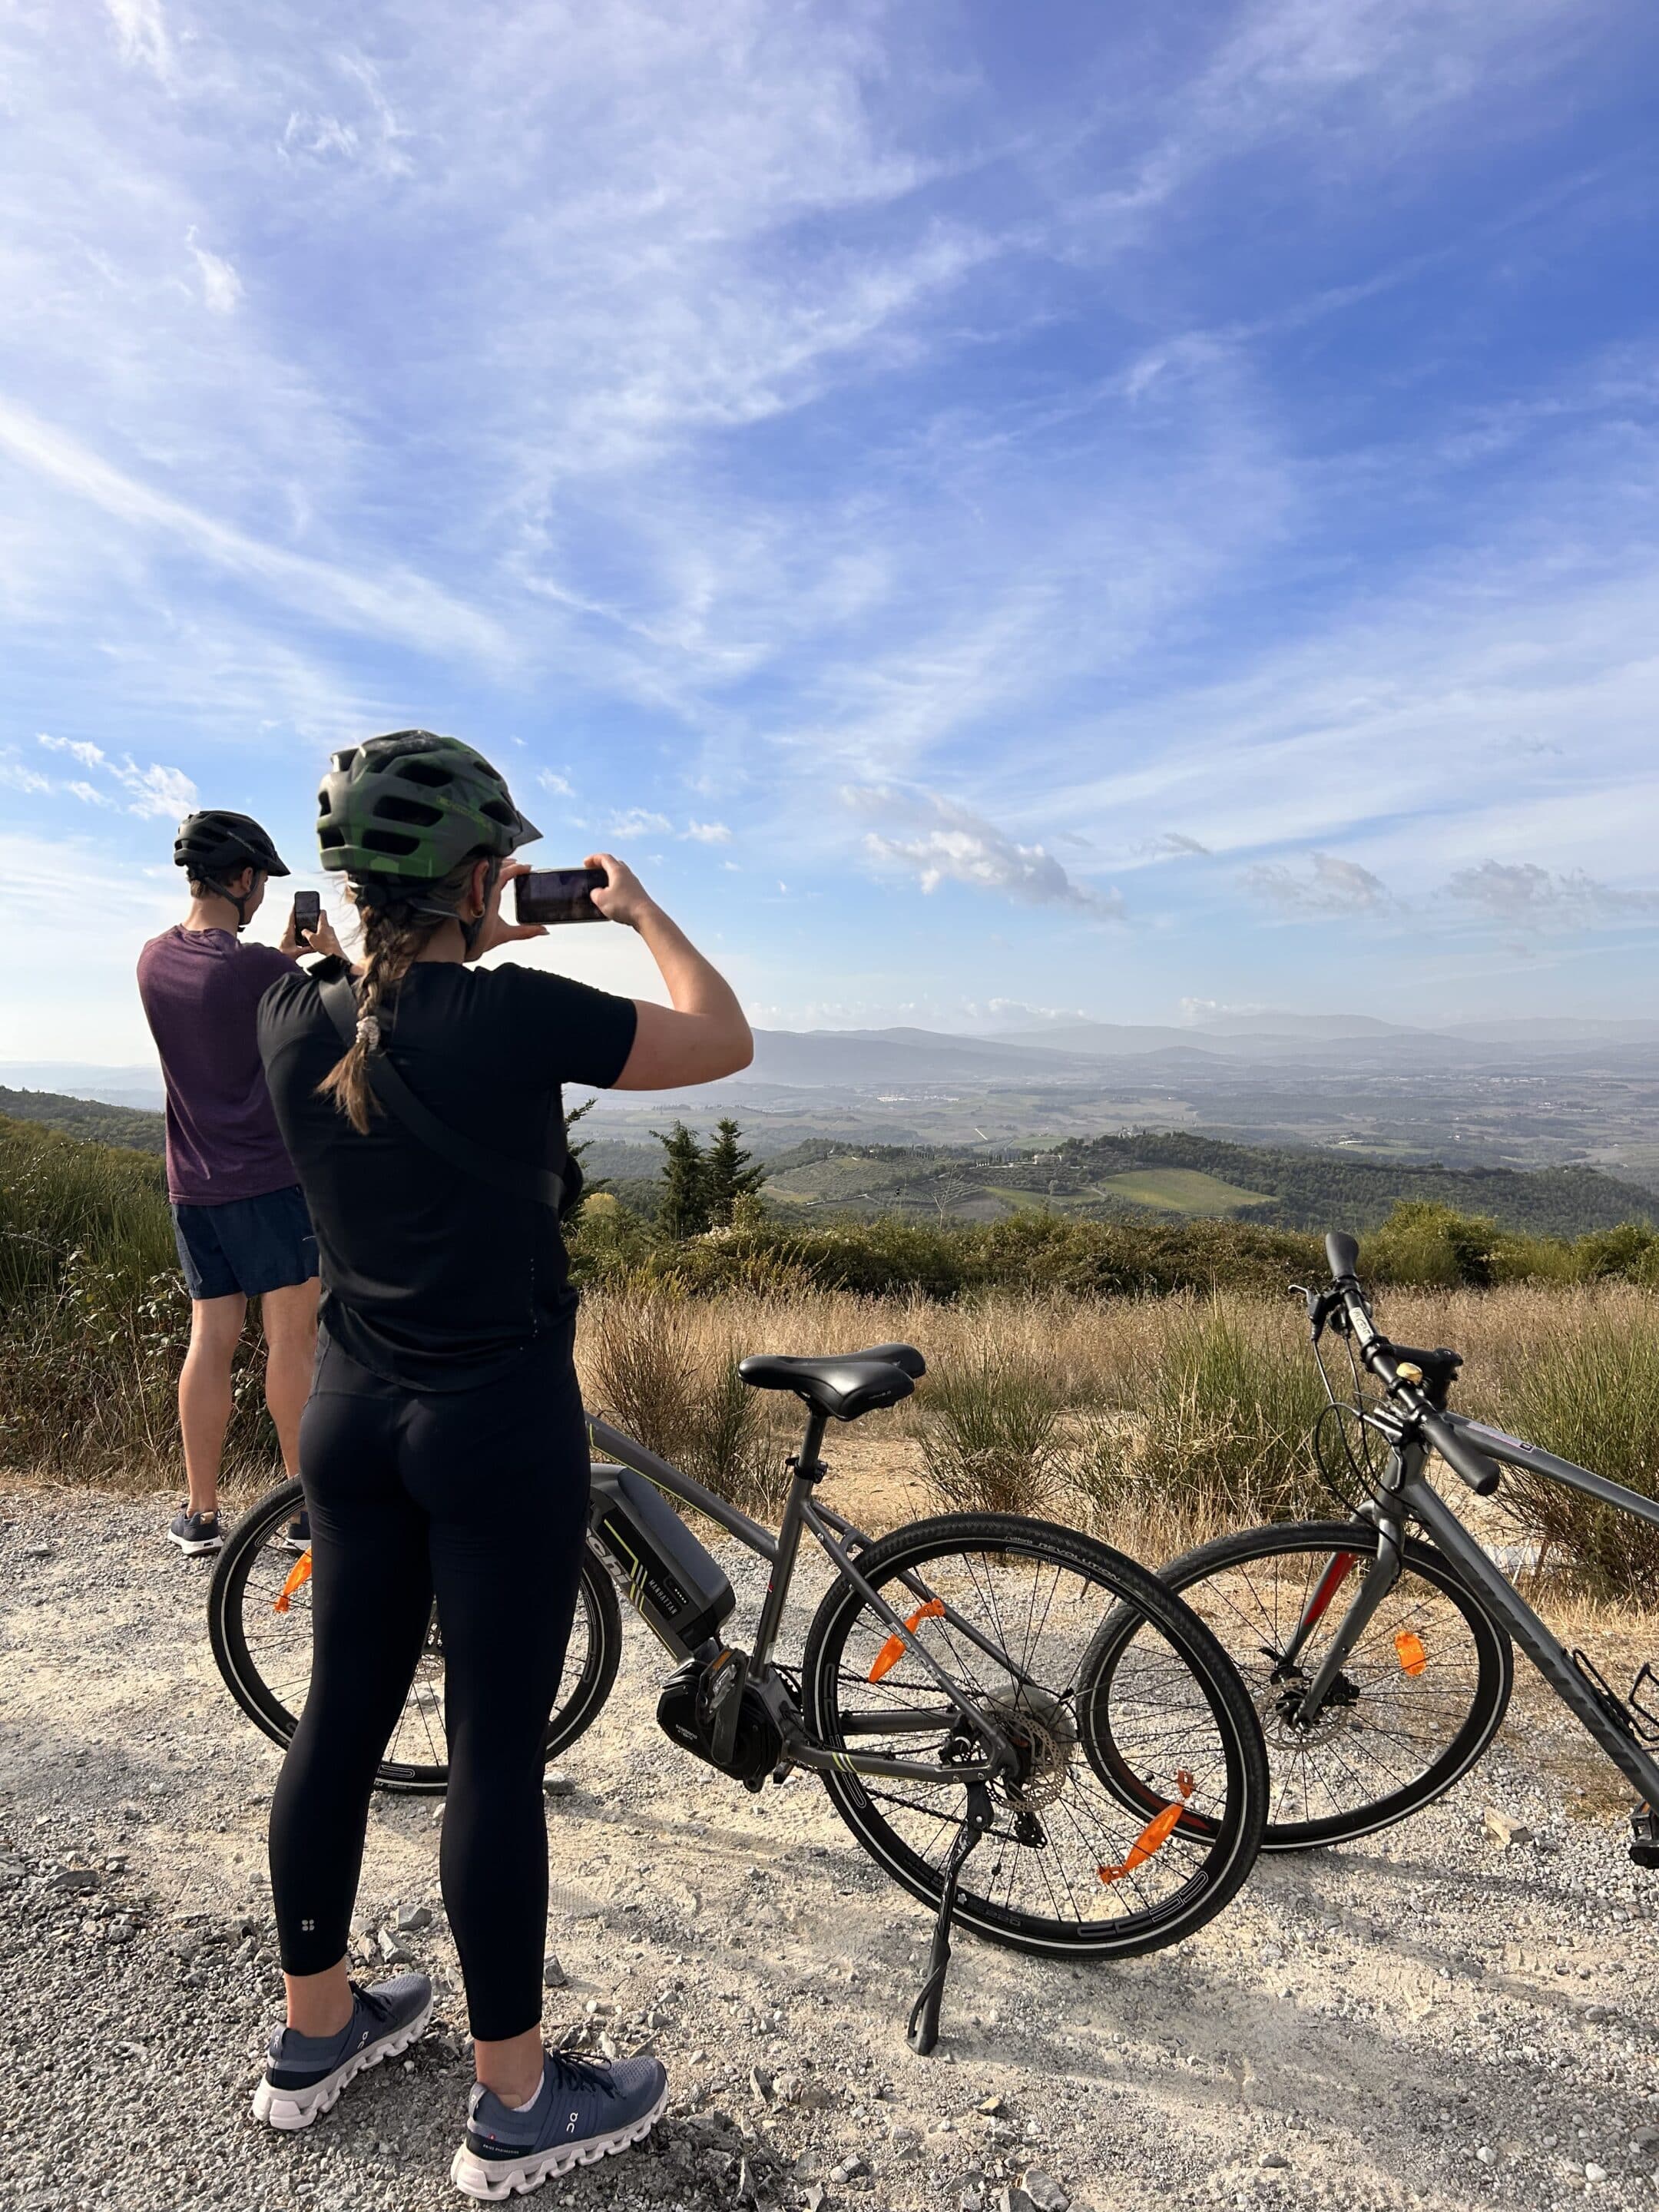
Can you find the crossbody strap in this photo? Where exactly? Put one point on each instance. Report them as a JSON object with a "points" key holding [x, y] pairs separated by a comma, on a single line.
{"points": [[518, 1178]]}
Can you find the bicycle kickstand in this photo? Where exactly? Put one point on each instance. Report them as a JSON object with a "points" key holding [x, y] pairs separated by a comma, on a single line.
{"points": [[922, 2035]]}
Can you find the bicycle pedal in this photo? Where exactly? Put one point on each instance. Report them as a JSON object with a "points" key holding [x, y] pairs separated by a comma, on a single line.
{"points": [[1645, 1837]]}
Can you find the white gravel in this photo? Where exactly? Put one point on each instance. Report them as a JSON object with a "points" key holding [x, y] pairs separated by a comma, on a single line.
{"points": [[1426, 2019]]}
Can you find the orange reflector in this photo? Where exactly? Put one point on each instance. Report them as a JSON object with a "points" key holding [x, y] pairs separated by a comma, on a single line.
{"points": [[1408, 1650], [1152, 1837], [298, 1573], [893, 1650]]}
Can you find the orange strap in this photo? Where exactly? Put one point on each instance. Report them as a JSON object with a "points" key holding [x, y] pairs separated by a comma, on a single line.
{"points": [[298, 1573], [893, 1650]]}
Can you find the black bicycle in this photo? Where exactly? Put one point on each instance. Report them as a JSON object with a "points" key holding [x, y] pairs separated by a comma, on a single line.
{"points": [[1026, 1729], [1381, 1665]]}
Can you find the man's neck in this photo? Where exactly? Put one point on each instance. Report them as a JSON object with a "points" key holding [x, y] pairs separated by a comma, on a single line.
{"points": [[212, 913]]}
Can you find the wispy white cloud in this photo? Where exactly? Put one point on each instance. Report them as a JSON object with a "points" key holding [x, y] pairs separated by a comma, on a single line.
{"points": [[708, 833], [1522, 894], [1328, 884], [221, 288], [152, 792], [953, 845]]}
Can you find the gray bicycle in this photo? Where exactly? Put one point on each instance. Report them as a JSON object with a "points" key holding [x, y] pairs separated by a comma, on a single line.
{"points": [[1027, 1730], [1381, 1665]]}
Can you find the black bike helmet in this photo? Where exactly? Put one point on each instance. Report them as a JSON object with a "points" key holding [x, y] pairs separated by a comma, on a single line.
{"points": [[216, 844], [410, 806]]}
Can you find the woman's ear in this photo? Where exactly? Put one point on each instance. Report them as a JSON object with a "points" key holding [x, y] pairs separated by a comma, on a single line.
{"points": [[479, 898]]}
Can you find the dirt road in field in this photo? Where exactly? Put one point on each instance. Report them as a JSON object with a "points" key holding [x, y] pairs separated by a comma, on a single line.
{"points": [[1426, 2019]]}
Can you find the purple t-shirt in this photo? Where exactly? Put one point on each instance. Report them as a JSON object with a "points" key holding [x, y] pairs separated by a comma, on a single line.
{"points": [[201, 990]]}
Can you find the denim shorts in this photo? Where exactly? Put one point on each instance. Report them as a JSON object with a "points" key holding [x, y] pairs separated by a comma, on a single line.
{"points": [[251, 1245]]}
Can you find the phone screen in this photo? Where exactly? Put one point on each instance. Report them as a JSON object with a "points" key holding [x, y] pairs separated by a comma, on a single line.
{"points": [[308, 912], [555, 895]]}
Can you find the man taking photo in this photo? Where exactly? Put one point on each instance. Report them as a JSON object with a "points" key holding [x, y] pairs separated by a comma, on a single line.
{"points": [[238, 1216]]}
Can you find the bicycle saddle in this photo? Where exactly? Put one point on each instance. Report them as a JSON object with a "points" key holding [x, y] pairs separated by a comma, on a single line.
{"points": [[841, 1386]]}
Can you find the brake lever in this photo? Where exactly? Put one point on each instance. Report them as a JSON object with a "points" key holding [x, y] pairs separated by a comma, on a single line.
{"points": [[1324, 1307]]}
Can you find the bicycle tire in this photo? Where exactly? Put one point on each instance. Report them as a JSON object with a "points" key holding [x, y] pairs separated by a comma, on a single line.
{"points": [[1488, 1696], [276, 1713], [1216, 1863]]}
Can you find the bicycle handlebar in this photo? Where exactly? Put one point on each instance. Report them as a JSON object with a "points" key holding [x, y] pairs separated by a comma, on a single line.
{"points": [[1467, 1461]]}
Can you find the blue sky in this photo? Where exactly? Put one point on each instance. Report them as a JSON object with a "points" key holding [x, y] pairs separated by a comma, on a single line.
{"points": [[1057, 508]]}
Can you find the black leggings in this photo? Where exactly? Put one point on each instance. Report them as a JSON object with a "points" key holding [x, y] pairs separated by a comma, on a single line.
{"points": [[480, 1497]]}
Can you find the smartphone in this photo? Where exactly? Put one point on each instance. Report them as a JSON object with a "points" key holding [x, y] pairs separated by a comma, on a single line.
{"points": [[555, 894], [308, 913]]}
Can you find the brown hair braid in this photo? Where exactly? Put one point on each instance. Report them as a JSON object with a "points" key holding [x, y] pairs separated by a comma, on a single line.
{"points": [[396, 932]]}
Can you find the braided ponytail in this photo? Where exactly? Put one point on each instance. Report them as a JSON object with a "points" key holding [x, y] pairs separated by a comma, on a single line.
{"points": [[396, 932]]}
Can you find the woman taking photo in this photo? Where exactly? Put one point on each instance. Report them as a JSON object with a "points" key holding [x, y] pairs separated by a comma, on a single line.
{"points": [[444, 1450]]}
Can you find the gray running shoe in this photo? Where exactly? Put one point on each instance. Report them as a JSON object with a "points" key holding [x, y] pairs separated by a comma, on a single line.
{"points": [[195, 1533], [584, 2112], [306, 2073]]}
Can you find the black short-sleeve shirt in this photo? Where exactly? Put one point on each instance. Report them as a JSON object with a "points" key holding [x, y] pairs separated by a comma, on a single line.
{"points": [[430, 1277]]}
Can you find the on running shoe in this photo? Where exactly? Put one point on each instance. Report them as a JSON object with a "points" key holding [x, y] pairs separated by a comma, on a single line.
{"points": [[296, 1537], [305, 2074], [195, 1533], [582, 2112]]}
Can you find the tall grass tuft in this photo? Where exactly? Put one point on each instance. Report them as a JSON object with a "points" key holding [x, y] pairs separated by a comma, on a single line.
{"points": [[93, 1320], [1220, 1432], [1590, 1393], [989, 1431], [659, 1376]]}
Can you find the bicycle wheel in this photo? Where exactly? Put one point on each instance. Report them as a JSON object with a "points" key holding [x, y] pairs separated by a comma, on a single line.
{"points": [[1418, 1701], [259, 1624], [1065, 1868]]}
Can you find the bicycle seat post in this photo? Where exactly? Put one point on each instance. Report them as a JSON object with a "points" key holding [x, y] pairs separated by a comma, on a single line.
{"points": [[808, 1470]]}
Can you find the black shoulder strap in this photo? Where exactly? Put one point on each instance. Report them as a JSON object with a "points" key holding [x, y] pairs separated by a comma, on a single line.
{"points": [[516, 1177]]}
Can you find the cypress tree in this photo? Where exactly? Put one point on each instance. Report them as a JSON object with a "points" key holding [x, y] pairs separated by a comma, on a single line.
{"points": [[684, 1210], [728, 1173]]}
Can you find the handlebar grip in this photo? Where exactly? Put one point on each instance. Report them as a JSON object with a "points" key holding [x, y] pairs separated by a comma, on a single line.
{"points": [[1467, 1461], [1342, 1253]]}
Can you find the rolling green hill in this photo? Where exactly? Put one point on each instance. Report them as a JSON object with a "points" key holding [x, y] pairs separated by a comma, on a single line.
{"points": [[1180, 1177], [88, 1118]]}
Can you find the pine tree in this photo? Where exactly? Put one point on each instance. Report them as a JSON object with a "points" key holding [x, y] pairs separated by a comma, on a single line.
{"points": [[727, 1173], [573, 1213], [685, 1211]]}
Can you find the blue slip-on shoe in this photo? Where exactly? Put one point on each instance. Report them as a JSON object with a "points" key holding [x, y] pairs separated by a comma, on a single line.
{"points": [[306, 2073], [582, 2112], [296, 1537], [195, 1533]]}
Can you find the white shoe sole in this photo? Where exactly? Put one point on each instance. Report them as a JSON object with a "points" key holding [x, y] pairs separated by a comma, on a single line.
{"points": [[491, 2180], [290, 2109], [193, 1548]]}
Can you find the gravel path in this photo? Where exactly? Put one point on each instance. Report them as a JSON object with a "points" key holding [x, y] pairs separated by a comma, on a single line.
{"points": [[1426, 2019]]}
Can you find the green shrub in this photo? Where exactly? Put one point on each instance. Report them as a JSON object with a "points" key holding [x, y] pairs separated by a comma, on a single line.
{"points": [[989, 1435], [1221, 1431], [1591, 1395], [1428, 1247]]}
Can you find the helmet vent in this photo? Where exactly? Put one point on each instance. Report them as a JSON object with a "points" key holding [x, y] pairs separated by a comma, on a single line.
{"points": [[389, 840], [393, 809], [424, 772], [331, 839], [501, 811]]}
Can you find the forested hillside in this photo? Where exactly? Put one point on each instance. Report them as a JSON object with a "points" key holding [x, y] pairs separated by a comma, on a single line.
{"points": [[86, 1118]]}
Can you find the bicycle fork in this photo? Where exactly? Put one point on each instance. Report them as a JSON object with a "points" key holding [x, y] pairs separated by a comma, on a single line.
{"points": [[1379, 1581]]}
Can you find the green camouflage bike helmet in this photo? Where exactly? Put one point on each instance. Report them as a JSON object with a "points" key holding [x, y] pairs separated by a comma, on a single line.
{"points": [[411, 806]]}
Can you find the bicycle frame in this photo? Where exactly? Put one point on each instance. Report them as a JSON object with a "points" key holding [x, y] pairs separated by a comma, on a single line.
{"points": [[1406, 1492], [839, 1538]]}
